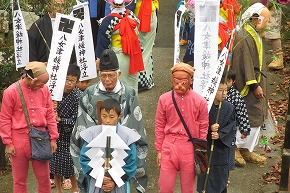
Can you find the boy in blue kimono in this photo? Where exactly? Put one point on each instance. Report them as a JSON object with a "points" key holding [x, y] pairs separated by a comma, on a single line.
{"points": [[223, 133], [110, 113]]}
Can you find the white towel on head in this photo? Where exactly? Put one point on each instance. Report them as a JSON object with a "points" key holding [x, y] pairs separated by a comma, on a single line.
{"points": [[255, 8]]}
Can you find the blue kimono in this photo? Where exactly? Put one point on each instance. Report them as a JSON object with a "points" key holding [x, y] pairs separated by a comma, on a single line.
{"points": [[219, 166], [129, 136]]}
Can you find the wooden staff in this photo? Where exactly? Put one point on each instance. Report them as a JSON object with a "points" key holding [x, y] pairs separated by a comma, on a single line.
{"points": [[216, 121], [107, 165]]}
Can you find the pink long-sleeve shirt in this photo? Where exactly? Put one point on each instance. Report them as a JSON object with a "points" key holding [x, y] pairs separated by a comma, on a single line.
{"points": [[39, 107], [193, 108]]}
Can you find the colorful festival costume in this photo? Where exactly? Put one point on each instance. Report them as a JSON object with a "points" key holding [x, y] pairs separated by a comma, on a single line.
{"points": [[146, 12], [118, 32]]}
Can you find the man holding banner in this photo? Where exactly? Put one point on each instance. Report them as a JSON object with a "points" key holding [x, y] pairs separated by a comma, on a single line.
{"points": [[40, 34]]}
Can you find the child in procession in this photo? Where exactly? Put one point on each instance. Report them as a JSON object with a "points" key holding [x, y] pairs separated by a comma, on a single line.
{"points": [[110, 114], [61, 164], [223, 133], [83, 85]]}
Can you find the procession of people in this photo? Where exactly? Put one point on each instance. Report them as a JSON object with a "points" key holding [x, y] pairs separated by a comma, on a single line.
{"points": [[97, 132]]}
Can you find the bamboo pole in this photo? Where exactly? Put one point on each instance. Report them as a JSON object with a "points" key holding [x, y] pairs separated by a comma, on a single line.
{"points": [[228, 45]]}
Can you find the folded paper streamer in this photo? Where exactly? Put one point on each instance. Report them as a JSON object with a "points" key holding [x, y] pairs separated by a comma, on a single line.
{"points": [[96, 154]]}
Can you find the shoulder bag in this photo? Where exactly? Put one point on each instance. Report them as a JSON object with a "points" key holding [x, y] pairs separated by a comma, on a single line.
{"points": [[39, 139], [200, 146]]}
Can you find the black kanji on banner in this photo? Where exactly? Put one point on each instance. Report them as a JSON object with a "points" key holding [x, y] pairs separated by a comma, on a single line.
{"points": [[179, 14], [66, 25], [15, 5], [79, 13]]}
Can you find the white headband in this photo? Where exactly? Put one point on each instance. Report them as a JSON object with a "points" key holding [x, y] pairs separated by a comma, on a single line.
{"points": [[255, 8]]}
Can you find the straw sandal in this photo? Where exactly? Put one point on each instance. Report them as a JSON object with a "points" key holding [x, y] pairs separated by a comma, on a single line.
{"points": [[239, 160], [253, 157]]}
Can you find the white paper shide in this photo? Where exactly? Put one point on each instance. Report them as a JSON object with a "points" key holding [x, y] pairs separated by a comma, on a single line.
{"points": [[96, 154]]}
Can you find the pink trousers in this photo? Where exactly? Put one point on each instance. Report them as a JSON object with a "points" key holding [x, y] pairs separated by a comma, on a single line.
{"points": [[20, 165], [176, 156]]}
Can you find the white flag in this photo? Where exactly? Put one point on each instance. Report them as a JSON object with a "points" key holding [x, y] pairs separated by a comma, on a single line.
{"points": [[177, 23], [21, 45], [84, 45], [63, 39], [211, 88], [205, 42]]}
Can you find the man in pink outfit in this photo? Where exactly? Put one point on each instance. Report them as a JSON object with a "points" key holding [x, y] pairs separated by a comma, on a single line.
{"points": [[14, 128], [175, 151]]}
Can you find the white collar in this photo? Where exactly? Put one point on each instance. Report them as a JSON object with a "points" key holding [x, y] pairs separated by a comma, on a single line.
{"points": [[115, 90]]}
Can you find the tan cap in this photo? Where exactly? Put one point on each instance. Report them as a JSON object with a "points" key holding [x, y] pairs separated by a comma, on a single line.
{"points": [[37, 68], [183, 67]]}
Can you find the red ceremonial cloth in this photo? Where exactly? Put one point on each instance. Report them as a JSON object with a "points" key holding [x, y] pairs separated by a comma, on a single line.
{"points": [[223, 34], [144, 16], [130, 42]]}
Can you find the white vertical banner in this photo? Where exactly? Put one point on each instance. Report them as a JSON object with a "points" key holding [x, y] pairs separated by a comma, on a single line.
{"points": [[21, 43], [64, 34], [205, 41], [177, 23], [212, 85], [84, 46]]}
